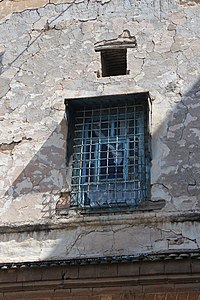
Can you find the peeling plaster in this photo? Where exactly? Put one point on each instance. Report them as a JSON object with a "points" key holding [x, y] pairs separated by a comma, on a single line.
{"points": [[47, 54]]}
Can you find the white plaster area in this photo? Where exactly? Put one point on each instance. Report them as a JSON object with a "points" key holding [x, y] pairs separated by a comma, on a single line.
{"points": [[103, 239], [47, 54]]}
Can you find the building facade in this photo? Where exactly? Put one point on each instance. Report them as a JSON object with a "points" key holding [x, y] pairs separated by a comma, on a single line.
{"points": [[99, 151]]}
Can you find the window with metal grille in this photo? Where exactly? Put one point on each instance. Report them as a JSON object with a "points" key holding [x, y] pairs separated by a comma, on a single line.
{"points": [[110, 151]]}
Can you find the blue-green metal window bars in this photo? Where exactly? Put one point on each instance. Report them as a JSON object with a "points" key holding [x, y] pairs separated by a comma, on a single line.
{"points": [[111, 157]]}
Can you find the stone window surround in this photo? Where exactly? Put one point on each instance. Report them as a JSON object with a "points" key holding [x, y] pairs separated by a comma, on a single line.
{"points": [[64, 207]]}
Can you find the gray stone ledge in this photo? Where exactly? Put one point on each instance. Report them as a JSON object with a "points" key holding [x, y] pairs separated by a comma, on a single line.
{"points": [[129, 218]]}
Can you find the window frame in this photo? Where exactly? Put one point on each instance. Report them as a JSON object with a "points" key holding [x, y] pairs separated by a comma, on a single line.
{"points": [[114, 62], [72, 105]]}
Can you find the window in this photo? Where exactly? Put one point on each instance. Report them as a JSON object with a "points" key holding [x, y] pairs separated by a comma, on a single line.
{"points": [[110, 151], [114, 54], [114, 62]]}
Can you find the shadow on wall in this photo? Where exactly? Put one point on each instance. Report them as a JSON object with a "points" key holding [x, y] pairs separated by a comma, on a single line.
{"points": [[45, 173], [180, 168], [1, 59], [182, 182]]}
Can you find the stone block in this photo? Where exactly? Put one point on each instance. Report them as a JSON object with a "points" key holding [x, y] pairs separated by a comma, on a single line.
{"points": [[52, 273], [106, 270], [70, 272], [32, 274], [81, 292], [88, 271], [8, 276], [128, 269], [195, 266], [180, 266], [147, 268], [187, 286], [163, 288], [61, 293]]}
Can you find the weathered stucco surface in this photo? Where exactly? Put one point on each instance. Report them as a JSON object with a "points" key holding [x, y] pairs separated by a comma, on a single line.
{"points": [[46, 55]]}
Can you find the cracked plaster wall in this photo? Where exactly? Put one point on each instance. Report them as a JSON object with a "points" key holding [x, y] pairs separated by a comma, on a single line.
{"points": [[47, 54]]}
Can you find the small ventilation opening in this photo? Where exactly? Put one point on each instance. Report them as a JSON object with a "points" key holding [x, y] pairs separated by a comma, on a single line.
{"points": [[114, 62]]}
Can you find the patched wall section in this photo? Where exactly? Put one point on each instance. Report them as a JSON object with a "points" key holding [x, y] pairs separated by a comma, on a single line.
{"points": [[47, 54]]}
